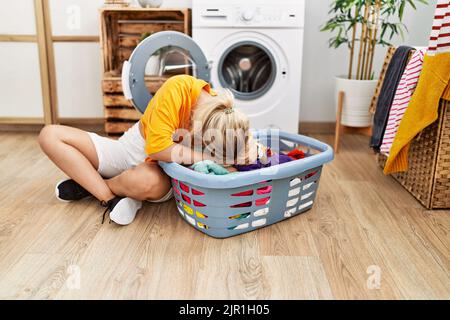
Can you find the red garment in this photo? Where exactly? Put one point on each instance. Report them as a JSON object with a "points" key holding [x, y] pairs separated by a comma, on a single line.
{"points": [[310, 174], [242, 205], [262, 202], [296, 154], [264, 190], [199, 204], [243, 194], [258, 202]]}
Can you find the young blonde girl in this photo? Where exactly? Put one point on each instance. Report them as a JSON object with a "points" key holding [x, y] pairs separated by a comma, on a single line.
{"points": [[123, 173]]}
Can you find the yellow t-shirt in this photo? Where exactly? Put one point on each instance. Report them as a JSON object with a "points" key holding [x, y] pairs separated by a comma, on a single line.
{"points": [[169, 110]]}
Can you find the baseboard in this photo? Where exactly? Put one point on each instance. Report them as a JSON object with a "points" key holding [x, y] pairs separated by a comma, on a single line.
{"points": [[22, 120], [317, 127], [90, 121], [20, 127], [86, 124], [97, 125]]}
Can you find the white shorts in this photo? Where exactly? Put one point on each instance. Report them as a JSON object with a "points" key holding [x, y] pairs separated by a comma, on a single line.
{"points": [[117, 156]]}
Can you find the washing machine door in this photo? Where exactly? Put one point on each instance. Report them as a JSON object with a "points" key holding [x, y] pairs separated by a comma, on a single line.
{"points": [[162, 54]]}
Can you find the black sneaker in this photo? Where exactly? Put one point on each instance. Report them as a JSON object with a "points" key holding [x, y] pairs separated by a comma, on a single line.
{"points": [[69, 190]]}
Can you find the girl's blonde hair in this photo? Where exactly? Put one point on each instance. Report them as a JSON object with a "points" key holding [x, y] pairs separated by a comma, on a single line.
{"points": [[231, 140]]}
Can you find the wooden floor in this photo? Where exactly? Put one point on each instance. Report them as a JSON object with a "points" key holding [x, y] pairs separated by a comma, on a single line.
{"points": [[364, 228]]}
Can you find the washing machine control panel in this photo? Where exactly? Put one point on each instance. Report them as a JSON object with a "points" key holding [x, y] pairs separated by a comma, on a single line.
{"points": [[266, 17], [248, 15]]}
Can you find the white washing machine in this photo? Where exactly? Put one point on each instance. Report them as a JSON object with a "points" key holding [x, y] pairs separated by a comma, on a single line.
{"points": [[254, 47]]}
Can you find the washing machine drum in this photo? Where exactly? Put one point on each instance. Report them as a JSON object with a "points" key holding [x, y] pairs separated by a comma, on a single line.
{"points": [[248, 69], [161, 54]]}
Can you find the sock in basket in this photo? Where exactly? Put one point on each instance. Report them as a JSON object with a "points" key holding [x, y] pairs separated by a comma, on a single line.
{"points": [[125, 211]]}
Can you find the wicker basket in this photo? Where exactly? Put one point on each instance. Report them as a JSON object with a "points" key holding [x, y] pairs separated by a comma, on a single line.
{"points": [[428, 175], [387, 60]]}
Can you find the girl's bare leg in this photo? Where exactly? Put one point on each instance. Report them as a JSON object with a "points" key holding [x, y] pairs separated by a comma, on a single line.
{"points": [[73, 151], [146, 181]]}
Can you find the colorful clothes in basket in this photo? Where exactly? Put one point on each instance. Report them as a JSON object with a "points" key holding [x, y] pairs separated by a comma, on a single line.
{"points": [[271, 160], [296, 154], [209, 167]]}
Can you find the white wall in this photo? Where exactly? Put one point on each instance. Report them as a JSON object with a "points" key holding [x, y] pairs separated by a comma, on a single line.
{"points": [[321, 64], [20, 82], [77, 64]]}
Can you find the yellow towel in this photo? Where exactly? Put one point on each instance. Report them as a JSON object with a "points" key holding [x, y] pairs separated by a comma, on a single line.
{"points": [[422, 110]]}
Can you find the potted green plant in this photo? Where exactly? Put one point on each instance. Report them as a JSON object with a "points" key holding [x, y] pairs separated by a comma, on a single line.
{"points": [[362, 25]]}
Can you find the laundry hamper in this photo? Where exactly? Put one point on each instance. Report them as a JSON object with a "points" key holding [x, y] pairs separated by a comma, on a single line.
{"points": [[225, 206], [428, 175]]}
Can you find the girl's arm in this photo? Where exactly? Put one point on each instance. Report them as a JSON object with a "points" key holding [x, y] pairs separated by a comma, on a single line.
{"points": [[184, 155], [180, 154]]}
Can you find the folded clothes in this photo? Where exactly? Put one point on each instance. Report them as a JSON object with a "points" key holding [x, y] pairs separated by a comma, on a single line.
{"points": [[209, 167]]}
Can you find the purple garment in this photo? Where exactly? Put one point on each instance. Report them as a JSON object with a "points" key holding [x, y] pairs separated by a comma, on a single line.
{"points": [[273, 161]]}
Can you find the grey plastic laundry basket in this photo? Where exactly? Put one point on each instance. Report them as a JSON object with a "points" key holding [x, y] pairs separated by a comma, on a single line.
{"points": [[225, 206]]}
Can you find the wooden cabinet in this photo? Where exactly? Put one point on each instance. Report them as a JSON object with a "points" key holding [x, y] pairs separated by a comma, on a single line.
{"points": [[121, 31]]}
